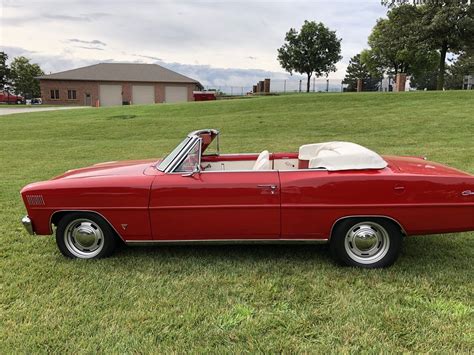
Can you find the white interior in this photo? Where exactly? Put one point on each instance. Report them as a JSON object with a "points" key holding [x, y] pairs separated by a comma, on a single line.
{"points": [[285, 164], [228, 165], [242, 165], [331, 156], [263, 161], [340, 156]]}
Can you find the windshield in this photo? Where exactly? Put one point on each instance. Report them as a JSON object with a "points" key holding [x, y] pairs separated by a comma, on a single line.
{"points": [[192, 159], [165, 162]]}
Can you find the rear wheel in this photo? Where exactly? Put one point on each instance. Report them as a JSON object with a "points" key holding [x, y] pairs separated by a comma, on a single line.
{"points": [[85, 236], [366, 242]]}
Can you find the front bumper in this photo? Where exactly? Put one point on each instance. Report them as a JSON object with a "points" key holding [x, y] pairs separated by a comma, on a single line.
{"points": [[28, 224]]}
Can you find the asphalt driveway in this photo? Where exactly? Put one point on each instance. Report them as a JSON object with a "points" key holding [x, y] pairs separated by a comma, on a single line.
{"points": [[10, 111]]}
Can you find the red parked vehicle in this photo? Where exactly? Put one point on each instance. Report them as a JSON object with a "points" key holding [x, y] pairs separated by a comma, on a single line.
{"points": [[204, 95], [6, 97], [339, 193]]}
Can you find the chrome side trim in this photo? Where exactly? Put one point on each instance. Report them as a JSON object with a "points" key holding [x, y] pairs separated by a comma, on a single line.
{"points": [[237, 154], [364, 216], [264, 171], [257, 171], [226, 241], [89, 211], [28, 224], [231, 171], [468, 193]]}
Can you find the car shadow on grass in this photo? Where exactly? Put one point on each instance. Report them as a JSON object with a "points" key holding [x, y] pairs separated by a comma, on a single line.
{"points": [[421, 253], [241, 252]]}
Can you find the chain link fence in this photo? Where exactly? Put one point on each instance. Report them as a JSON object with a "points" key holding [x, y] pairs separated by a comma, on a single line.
{"points": [[289, 86], [281, 86]]}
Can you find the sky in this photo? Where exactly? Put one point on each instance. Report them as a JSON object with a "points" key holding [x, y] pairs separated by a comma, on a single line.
{"points": [[216, 42]]}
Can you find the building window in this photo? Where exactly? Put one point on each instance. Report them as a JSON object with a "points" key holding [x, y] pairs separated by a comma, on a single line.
{"points": [[71, 94], [54, 94]]}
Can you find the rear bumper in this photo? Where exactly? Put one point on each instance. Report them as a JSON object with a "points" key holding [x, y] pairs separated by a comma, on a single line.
{"points": [[28, 224]]}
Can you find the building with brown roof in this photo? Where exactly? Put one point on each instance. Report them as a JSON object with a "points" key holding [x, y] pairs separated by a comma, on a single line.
{"points": [[113, 84]]}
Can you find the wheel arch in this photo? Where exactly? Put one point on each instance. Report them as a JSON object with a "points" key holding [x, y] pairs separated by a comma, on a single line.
{"points": [[387, 218], [56, 216]]}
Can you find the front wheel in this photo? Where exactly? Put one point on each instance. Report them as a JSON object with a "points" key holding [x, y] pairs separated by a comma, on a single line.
{"points": [[367, 243], [85, 236]]}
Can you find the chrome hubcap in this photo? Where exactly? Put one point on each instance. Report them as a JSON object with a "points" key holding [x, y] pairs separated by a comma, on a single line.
{"points": [[83, 238], [367, 242]]}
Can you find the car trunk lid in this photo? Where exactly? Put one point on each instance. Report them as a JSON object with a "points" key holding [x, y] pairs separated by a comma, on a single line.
{"points": [[420, 166]]}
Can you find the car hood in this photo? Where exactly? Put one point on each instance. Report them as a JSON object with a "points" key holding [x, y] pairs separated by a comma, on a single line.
{"points": [[420, 166], [113, 168]]}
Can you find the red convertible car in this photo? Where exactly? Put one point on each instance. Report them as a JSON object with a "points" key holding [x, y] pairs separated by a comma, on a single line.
{"points": [[339, 193]]}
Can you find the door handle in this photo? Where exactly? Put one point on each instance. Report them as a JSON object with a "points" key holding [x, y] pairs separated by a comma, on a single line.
{"points": [[270, 187]]}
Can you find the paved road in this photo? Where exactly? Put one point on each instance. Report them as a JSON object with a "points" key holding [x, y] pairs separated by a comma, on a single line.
{"points": [[10, 111]]}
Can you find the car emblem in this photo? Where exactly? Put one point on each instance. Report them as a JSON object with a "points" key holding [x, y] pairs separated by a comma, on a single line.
{"points": [[124, 226]]}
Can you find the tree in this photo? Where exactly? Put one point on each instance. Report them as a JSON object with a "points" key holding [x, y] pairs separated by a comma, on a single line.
{"points": [[394, 42], [448, 26], [393, 3], [4, 71], [462, 66], [424, 74], [399, 45], [444, 25], [357, 69], [313, 50], [23, 75], [373, 63]]}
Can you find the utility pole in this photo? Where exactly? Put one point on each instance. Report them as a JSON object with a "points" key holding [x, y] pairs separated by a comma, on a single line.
{"points": [[300, 86]]}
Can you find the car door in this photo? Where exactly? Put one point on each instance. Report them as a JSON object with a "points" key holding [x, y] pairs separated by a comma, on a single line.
{"points": [[307, 203], [216, 205]]}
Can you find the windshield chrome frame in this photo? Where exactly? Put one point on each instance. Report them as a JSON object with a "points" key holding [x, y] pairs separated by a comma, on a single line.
{"points": [[177, 159], [194, 136], [179, 162]]}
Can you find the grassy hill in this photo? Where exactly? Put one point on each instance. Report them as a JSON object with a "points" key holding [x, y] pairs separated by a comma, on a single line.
{"points": [[234, 298]]}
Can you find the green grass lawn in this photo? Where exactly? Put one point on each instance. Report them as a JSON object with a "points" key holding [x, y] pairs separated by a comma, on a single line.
{"points": [[234, 298]]}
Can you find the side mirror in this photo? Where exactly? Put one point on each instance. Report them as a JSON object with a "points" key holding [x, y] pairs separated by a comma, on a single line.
{"points": [[196, 170]]}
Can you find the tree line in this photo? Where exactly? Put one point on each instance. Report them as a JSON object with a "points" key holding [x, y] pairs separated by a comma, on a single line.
{"points": [[20, 76], [431, 41]]}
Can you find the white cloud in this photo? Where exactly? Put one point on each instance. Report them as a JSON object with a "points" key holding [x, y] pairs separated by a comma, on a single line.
{"points": [[204, 34]]}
